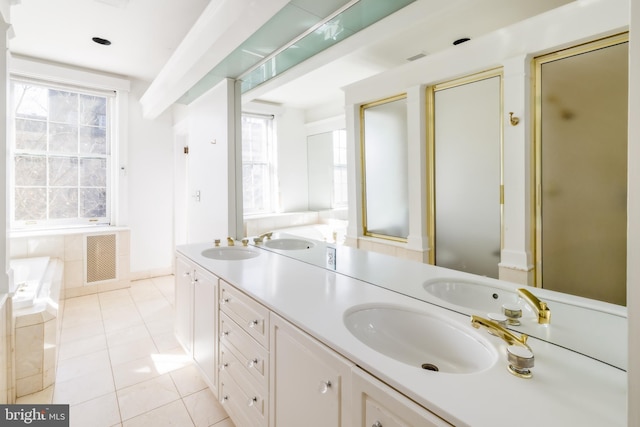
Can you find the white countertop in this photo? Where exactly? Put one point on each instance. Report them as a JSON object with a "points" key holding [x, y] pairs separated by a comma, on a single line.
{"points": [[591, 327], [567, 388]]}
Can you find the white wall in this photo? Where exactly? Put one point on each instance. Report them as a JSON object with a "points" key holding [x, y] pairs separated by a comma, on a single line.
{"points": [[150, 180], [211, 123], [292, 161]]}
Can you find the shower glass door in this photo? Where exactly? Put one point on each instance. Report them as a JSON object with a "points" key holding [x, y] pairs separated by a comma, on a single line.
{"points": [[466, 152]]}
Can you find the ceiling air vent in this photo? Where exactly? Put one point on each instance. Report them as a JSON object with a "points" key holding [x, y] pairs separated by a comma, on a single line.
{"points": [[418, 56]]}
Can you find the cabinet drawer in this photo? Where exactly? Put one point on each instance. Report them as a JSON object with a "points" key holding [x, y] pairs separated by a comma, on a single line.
{"points": [[233, 400], [251, 355], [250, 315], [377, 404], [240, 392]]}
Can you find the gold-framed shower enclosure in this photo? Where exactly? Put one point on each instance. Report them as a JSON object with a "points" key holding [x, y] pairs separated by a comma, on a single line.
{"points": [[430, 113], [536, 146]]}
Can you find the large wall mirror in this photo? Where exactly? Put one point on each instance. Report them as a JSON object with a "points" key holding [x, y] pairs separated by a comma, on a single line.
{"points": [[385, 159], [466, 173], [327, 170], [581, 173]]}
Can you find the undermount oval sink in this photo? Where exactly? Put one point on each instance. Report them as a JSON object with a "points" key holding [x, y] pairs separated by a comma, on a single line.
{"points": [[420, 339], [230, 253], [289, 244], [475, 296]]}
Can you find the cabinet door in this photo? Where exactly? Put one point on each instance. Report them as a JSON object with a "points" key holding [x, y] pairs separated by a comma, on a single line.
{"points": [[377, 405], [310, 383], [184, 304], [205, 321]]}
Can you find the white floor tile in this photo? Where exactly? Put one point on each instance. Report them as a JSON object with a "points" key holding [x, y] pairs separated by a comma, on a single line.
{"points": [[102, 411], [143, 290], [129, 335], [166, 285], [162, 325], [81, 347], [80, 315], [85, 301], [120, 304], [132, 351], [81, 331], [117, 294], [121, 311], [165, 341], [148, 379], [82, 365], [204, 408], [118, 323], [155, 309], [84, 388], [135, 371], [145, 396], [188, 380], [170, 415]]}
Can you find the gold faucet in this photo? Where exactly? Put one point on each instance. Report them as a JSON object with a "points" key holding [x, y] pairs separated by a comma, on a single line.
{"points": [[519, 354], [498, 330], [230, 241], [261, 237], [540, 307]]}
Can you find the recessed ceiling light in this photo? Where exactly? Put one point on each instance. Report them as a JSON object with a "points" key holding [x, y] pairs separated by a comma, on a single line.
{"points": [[101, 41], [460, 41]]}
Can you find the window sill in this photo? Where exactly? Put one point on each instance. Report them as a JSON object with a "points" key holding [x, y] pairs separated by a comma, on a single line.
{"points": [[65, 231]]}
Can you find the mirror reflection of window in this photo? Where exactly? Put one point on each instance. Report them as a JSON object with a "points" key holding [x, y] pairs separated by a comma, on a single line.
{"points": [[339, 168], [385, 152], [258, 163]]}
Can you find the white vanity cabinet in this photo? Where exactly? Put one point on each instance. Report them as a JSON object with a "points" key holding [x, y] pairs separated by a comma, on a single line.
{"points": [[205, 325], [244, 357], [196, 312], [184, 303], [375, 404], [310, 383]]}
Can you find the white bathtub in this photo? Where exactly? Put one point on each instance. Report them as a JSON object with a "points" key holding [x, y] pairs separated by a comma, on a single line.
{"points": [[330, 233], [32, 278], [36, 321]]}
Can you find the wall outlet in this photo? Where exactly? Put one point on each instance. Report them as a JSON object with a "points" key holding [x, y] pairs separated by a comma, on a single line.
{"points": [[331, 258]]}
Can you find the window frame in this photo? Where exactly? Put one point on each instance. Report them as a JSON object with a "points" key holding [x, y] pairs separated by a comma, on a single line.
{"points": [[339, 137], [111, 97], [270, 201]]}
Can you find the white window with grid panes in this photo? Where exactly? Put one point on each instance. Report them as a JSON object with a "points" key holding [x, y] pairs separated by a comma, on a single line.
{"points": [[340, 168], [258, 163], [61, 155]]}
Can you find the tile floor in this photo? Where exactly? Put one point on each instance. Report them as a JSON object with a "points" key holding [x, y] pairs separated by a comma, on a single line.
{"points": [[119, 363]]}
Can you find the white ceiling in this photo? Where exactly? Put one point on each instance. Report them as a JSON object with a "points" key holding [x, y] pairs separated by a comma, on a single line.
{"points": [[145, 33]]}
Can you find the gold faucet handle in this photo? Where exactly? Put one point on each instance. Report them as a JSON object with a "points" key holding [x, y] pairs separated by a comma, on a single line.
{"points": [[245, 241], [494, 328], [216, 242], [541, 308]]}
